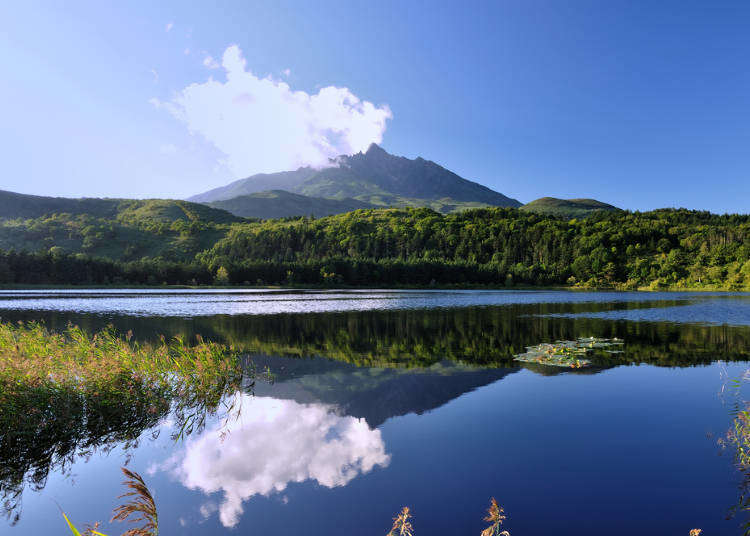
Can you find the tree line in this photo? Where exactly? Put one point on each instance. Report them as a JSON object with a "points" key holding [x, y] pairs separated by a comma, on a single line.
{"points": [[669, 248]]}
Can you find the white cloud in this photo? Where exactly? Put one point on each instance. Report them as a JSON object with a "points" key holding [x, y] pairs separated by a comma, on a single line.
{"points": [[207, 509], [262, 125], [155, 75], [169, 26], [286, 72], [168, 149], [274, 443], [210, 63]]}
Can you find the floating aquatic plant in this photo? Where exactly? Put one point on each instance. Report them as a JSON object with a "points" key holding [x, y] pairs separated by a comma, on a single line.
{"points": [[570, 354]]}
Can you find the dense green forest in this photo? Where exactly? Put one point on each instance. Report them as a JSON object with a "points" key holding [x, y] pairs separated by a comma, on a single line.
{"points": [[492, 246]]}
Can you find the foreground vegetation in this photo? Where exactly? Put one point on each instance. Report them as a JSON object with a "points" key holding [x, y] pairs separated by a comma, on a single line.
{"points": [[141, 506], [738, 438], [64, 395], [31, 355], [493, 246]]}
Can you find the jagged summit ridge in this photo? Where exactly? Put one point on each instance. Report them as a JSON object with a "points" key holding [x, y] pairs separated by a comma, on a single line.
{"points": [[375, 177]]}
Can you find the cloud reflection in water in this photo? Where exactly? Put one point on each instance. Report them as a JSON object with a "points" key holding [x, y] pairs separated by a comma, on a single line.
{"points": [[273, 443]]}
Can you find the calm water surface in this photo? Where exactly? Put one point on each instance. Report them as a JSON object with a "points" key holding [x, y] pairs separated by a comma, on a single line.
{"points": [[383, 399]]}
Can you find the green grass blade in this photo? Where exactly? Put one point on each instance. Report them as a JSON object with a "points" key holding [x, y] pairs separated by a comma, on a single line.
{"points": [[73, 529]]}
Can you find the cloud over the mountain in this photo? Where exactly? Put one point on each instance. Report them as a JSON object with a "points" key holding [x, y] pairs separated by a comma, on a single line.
{"points": [[262, 125]]}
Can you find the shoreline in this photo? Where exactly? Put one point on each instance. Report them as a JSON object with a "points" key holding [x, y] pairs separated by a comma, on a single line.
{"points": [[8, 287]]}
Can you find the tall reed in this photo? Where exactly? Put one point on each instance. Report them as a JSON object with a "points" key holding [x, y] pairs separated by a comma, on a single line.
{"points": [[401, 524], [495, 516], [140, 505]]}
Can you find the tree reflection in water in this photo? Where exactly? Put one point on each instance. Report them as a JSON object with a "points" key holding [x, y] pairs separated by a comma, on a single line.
{"points": [[45, 428]]}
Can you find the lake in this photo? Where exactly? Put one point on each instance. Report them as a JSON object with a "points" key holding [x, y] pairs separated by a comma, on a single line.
{"points": [[383, 399]]}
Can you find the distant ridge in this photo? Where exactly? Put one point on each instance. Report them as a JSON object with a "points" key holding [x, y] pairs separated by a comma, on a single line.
{"points": [[283, 180], [14, 206], [374, 177], [570, 208], [282, 204]]}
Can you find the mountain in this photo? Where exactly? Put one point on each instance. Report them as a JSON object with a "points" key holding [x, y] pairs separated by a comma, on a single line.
{"points": [[375, 177], [568, 208], [281, 204]]}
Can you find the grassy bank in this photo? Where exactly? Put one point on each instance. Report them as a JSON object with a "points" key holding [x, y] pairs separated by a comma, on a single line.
{"points": [[32, 355]]}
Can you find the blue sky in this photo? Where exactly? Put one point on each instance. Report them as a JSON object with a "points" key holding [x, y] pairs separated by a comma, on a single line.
{"points": [[641, 104]]}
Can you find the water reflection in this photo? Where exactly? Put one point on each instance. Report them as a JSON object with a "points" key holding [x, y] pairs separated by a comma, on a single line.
{"points": [[272, 444], [46, 428], [259, 302], [374, 394], [733, 311], [342, 377], [45, 431], [487, 336]]}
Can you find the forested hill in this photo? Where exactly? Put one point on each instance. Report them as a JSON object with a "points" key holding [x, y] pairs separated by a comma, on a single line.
{"points": [[492, 246], [117, 229], [23, 206], [659, 248], [567, 208]]}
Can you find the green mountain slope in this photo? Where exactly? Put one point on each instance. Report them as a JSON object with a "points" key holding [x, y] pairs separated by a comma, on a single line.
{"points": [[282, 204], [568, 208], [284, 180], [120, 229], [14, 206], [374, 177]]}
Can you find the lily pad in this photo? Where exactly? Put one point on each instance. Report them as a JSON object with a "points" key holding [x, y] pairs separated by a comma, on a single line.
{"points": [[568, 354]]}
